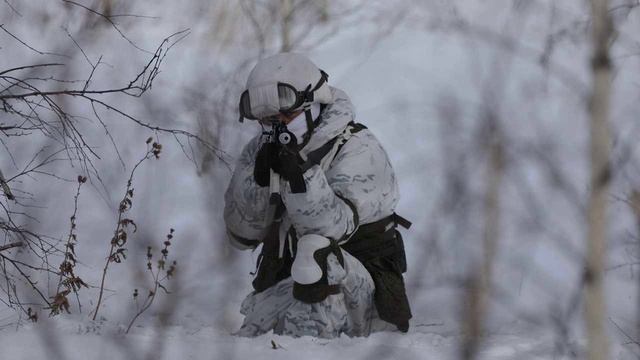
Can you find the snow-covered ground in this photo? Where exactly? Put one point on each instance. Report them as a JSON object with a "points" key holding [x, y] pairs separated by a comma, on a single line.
{"points": [[77, 339]]}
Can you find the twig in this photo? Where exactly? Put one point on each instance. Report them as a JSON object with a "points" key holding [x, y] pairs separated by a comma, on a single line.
{"points": [[12, 8], [11, 245], [619, 266], [108, 19], [5, 187], [27, 45], [29, 67], [430, 324], [28, 279], [631, 340]]}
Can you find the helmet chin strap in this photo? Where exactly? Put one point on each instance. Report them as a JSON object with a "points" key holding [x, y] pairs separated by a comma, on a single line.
{"points": [[308, 117], [311, 125]]}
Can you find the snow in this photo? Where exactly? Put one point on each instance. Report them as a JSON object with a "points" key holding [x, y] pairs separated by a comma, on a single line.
{"points": [[78, 339]]}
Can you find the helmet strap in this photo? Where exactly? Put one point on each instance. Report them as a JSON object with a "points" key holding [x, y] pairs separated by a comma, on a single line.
{"points": [[309, 92], [310, 127]]}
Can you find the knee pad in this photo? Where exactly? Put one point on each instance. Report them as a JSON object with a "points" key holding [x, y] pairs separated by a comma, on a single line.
{"points": [[309, 269]]}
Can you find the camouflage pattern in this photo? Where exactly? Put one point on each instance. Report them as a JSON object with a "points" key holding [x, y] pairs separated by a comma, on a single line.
{"points": [[348, 312], [360, 172]]}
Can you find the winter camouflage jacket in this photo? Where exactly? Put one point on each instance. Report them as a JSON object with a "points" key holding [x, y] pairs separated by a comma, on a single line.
{"points": [[360, 172]]}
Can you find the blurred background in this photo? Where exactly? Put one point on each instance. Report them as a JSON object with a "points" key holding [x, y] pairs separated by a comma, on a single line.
{"points": [[482, 106]]}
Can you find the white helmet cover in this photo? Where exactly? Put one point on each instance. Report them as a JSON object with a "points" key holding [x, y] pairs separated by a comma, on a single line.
{"points": [[284, 68]]}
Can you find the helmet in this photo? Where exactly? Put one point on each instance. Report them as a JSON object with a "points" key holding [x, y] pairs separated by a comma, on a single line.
{"points": [[285, 82]]}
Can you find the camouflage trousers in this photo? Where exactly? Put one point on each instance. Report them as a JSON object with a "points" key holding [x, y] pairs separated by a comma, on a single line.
{"points": [[351, 312]]}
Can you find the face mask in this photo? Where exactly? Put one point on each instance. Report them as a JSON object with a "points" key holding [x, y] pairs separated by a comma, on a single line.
{"points": [[298, 126]]}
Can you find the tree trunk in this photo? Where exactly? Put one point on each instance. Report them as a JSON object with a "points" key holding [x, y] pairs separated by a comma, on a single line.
{"points": [[600, 177], [286, 8], [479, 286], [635, 206]]}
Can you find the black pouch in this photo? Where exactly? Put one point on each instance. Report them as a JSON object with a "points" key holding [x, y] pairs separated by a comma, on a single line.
{"points": [[271, 268], [390, 295], [268, 273], [380, 248]]}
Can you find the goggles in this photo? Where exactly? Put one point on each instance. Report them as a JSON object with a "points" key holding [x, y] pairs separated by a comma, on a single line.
{"points": [[265, 101]]}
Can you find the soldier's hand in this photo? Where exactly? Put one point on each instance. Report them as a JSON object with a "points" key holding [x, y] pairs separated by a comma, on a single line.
{"points": [[290, 168], [266, 159]]}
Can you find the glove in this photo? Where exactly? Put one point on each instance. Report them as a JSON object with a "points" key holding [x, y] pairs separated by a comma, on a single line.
{"points": [[283, 159], [266, 159], [290, 168]]}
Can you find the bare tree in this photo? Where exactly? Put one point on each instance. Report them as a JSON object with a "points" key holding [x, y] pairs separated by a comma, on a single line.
{"points": [[39, 101]]}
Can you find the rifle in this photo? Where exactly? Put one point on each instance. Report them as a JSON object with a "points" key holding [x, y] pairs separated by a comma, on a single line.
{"points": [[281, 136]]}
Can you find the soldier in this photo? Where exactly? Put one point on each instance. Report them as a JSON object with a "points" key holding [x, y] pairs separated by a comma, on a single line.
{"points": [[317, 191]]}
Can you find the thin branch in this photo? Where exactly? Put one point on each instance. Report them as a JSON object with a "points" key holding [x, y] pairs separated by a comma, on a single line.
{"points": [[565, 75], [29, 67], [259, 33], [11, 245], [5, 187], [79, 47], [631, 340], [12, 8], [108, 19], [28, 279], [27, 45], [220, 153]]}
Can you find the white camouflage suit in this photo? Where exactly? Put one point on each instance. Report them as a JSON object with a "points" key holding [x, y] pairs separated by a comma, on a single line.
{"points": [[360, 172]]}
